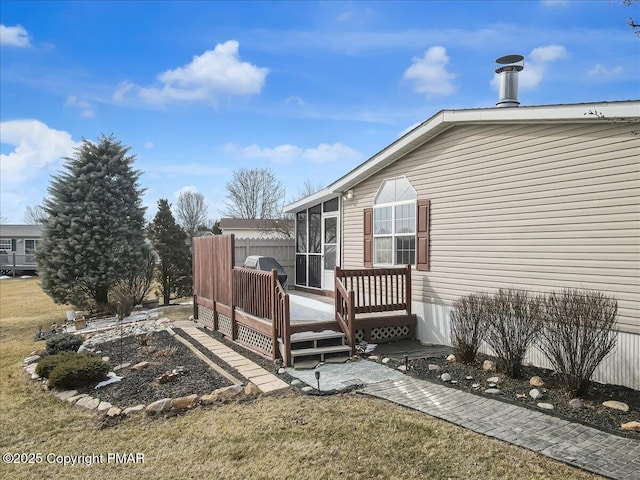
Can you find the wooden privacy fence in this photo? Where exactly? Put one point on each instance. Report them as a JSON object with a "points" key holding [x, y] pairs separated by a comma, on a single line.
{"points": [[369, 293], [249, 306]]}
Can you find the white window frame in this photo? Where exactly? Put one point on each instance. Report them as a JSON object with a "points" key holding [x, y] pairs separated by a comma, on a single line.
{"points": [[3, 245], [394, 234], [35, 245]]}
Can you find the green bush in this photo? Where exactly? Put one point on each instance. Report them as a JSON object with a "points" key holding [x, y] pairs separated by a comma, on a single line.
{"points": [[73, 370], [48, 363], [64, 342], [468, 325]]}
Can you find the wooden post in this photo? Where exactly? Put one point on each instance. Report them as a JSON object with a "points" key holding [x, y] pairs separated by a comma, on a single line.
{"points": [[286, 333], [336, 297], [408, 289], [195, 308], [234, 333], [352, 320], [272, 307]]}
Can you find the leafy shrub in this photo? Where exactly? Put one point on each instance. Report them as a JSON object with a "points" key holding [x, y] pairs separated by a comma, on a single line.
{"points": [[468, 326], [78, 370], [513, 322], [577, 334], [64, 342], [48, 363]]}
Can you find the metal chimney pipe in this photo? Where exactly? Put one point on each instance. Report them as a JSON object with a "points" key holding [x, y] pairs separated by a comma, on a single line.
{"points": [[507, 68]]}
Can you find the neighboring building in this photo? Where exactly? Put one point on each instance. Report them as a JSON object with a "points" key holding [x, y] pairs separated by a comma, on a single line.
{"points": [[18, 244], [256, 228], [541, 198]]}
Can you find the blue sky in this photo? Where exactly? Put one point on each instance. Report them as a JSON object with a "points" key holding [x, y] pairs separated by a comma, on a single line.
{"points": [[308, 89]]}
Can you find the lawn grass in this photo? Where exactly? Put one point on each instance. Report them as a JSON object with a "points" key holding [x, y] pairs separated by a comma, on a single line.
{"points": [[275, 437]]}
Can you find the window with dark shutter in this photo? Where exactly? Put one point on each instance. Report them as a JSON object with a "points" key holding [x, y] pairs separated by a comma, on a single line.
{"points": [[422, 234], [368, 237]]}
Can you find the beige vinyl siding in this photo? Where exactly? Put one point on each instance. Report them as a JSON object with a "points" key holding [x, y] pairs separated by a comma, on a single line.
{"points": [[536, 206]]}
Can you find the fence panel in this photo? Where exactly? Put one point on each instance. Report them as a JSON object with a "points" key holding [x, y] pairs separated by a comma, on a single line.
{"points": [[283, 250]]}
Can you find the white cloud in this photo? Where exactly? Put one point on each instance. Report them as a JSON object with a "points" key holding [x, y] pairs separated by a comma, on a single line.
{"points": [[285, 154], [555, 3], [295, 99], [601, 71], [36, 147], [430, 74], [535, 66], [14, 36], [187, 188], [214, 73], [148, 145], [86, 107]]}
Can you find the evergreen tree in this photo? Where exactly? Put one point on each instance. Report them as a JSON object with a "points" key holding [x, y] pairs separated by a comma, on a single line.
{"points": [[94, 232], [173, 271]]}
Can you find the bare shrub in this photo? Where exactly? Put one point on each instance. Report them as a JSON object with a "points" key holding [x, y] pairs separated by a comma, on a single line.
{"points": [[577, 334], [513, 322], [468, 325]]}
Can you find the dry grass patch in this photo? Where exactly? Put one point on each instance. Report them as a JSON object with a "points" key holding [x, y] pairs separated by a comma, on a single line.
{"points": [[284, 437]]}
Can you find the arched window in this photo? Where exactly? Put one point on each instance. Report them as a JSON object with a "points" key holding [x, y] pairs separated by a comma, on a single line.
{"points": [[394, 223]]}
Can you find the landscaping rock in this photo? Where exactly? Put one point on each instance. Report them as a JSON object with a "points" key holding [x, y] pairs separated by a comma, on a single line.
{"points": [[451, 358], [89, 403], [105, 359], [631, 426], [104, 406], [64, 395], [454, 382], [445, 377], [434, 367], [545, 406], [615, 405], [282, 370], [75, 398], [252, 389], [576, 404], [227, 393], [402, 368], [114, 412], [492, 385], [489, 366], [475, 385], [130, 410], [121, 366], [386, 360], [167, 378], [468, 377], [307, 389], [140, 366], [535, 393], [31, 359], [159, 406], [373, 358], [295, 382], [208, 399], [493, 391], [182, 403], [493, 380], [536, 381]]}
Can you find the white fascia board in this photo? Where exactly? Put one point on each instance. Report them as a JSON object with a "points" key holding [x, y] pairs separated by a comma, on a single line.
{"points": [[313, 199]]}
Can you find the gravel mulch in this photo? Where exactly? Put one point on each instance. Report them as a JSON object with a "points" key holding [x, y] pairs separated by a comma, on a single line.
{"points": [[165, 354], [516, 391]]}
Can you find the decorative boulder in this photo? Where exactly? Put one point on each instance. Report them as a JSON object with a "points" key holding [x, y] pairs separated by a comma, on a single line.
{"points": [[489, 365], [183, 403], [631, 426], [615, 405], [535, 393], [536, 381], [252, 389]]}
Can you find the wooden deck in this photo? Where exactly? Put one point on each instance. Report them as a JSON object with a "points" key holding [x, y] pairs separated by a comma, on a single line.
{"points": [[253, 309]]}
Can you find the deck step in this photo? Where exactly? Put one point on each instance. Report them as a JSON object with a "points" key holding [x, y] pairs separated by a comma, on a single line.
{"points": [[310, 336], [303, 352]]}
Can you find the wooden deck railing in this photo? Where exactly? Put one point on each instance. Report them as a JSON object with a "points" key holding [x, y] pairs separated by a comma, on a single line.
{"points": [[370, 290]]}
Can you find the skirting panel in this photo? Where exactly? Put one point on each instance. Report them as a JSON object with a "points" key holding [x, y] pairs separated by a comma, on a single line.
{"points": [[619, 368]]}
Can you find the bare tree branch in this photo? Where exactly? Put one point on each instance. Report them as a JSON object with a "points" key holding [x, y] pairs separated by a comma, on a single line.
{"points": [[191, 211]]}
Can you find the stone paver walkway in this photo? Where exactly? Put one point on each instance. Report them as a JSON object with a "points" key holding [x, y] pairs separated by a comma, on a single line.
{"points": [[264, 380], [573, 443]]}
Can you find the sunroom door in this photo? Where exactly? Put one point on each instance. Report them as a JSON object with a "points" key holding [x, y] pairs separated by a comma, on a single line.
{"points": [[329, 250]]}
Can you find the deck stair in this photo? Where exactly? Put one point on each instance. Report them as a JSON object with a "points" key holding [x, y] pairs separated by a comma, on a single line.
{"points": [[320, 346]]}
